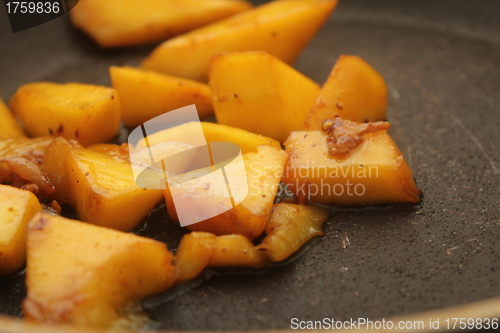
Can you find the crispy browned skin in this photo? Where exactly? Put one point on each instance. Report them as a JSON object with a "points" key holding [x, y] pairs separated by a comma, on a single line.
{"points": [[345, 135]]}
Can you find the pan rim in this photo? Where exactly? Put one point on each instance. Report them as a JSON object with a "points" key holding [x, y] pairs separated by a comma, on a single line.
{"points": [[488, 308]]}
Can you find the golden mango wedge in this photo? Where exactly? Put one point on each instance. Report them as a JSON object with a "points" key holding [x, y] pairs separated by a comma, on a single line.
{"points": [[145, 94], [199, 195], [291, 226], [17, 207], [118, 23], [9, 128], [282, 28], [257, 92], [101, 188], [85, 275], [353, 91], [247, 141], [86, 113], [140, 159], [118, 152], [375, 172]]}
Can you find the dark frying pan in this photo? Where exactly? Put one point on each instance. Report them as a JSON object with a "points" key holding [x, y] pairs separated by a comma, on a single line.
{"points": [[441, 62]]}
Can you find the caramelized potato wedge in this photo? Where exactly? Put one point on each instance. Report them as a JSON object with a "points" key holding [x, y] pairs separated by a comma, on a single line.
{"points": [[290, 227], [247, 141], [145, 95], [17, 207], [115, 23], [9, 128], [257, 92], [353, 91], [197, 198], [282, 28], [101, 188], [84, 275], [86, 113], [374, 172]]}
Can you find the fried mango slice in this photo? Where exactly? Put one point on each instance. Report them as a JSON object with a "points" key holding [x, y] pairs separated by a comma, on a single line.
{"points": [[282, 28], [193, 254], [353, 91], [290, 227], [145, 94], [85, 275], [236, 251], [371, 172], [86, 113], [199, 250], [20, 165], [9, 128], [247, 141], [118, 23], [100, 187], [257, 92], [199, 193], [119, 152], [17, 207]]}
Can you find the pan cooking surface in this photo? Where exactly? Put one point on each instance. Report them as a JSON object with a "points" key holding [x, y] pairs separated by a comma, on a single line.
{"points": [[441, 64]]}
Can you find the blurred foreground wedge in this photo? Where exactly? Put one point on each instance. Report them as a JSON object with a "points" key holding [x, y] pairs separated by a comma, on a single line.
{"points": [[9, 128], [17, 207], [118, 23], [87, 275], [281, 28]]}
